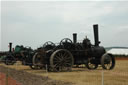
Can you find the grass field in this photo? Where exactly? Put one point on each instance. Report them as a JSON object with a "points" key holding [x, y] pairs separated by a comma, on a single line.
{"points": [[83, 76]]}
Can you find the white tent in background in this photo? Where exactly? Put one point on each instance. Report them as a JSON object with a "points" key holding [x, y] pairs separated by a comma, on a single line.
{"points": [[118, 51]]}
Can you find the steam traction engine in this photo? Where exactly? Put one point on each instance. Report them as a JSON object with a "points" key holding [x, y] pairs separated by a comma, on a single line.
{"points": [[63, 56], [20, 53]]}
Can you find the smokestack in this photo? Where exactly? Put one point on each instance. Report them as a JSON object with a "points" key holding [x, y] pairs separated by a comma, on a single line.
{"points": [[74, 37], [10, 47], [96, 35]]}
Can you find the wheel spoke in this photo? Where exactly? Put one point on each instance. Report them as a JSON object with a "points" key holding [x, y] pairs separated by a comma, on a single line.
{"points": [[65, 55], [61, 60], [57, 57], [67, 58]]}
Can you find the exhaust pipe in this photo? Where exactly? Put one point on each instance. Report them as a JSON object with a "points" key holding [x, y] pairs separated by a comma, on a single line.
{"points": [[10, 47], [75, 38], [96, 35]]}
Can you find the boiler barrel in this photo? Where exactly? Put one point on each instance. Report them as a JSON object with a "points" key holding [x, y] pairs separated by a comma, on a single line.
{"points": [[98, 51]]}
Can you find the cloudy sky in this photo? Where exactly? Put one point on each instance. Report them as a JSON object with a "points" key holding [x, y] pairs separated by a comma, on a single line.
{"points": [[32, 23]]}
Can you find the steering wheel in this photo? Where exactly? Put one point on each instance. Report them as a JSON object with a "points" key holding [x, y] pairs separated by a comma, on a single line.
{"points": [[48, 45], [65, 40], [66, 43]]}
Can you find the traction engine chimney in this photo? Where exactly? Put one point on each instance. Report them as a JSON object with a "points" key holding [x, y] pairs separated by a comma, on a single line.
{"points": [[96, 35], [75, 38], [10, 47]]}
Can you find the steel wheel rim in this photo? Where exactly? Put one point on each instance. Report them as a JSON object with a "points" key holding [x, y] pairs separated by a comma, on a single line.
{"points": [[109, 62], [37, 61], [61, 60]]}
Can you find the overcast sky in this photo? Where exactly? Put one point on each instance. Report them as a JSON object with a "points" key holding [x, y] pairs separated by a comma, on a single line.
{"points": [[33, 23]]}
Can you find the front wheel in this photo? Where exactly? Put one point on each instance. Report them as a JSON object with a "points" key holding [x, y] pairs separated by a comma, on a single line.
{"points": [[90, 65], [9, 59], [107, 61]]}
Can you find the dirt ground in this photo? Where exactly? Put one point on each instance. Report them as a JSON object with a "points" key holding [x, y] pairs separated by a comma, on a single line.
{"points": [[121, 58], [78, 76], [5, 80], [25, 78]]}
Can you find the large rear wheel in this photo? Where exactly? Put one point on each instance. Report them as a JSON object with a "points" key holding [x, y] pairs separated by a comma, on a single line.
{"points": [[61, 60], [37, 61]]}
